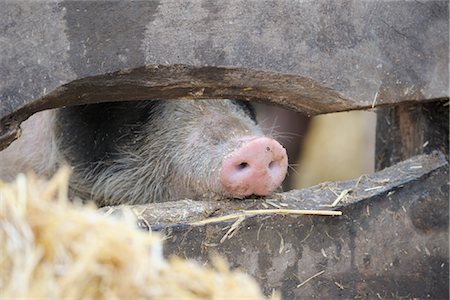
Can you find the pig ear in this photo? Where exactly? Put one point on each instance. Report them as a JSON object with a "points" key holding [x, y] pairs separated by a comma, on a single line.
{"points": [[247, 107]]}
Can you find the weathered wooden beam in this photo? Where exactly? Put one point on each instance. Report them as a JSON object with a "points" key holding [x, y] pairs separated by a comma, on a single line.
{"points": [[366, 50], [185, 82], [391, 241], [407, 130], [371, 53], [318, 197]]}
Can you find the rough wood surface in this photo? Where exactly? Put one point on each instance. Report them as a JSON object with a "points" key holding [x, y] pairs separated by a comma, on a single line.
{"points": [[407, 130], [370, 52], [383, 50], [188, 211], [186, 82], [391, 241]]}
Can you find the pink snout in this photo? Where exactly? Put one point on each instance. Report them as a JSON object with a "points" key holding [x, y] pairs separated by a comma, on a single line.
{"points": [[258, 167]]}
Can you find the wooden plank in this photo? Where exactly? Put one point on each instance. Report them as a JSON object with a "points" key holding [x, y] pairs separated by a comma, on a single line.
{"points": [[185, 212], [369, 52], [391, 241], [407, 130], [396, 49], [184, 82]]}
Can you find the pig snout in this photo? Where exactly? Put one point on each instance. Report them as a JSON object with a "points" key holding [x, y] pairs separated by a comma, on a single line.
{"points": [[258, 167]]}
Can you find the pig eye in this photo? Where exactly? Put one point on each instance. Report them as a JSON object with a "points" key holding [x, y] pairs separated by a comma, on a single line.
{"points": [[247, 107]]}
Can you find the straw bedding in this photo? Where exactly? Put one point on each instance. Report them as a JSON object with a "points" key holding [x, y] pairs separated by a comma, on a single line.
{"points": [[56, 249]]}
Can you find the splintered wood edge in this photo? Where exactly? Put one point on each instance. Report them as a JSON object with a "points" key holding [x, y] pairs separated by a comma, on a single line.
{"points": [[307, 201], [169, 82], [166, 82]]}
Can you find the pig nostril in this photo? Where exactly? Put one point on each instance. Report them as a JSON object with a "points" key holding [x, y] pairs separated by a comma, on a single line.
{"points": [[272, 165], [242, 166]]}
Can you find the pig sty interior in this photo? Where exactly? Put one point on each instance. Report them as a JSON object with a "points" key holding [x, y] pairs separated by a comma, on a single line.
{"points": [[152, 151]]}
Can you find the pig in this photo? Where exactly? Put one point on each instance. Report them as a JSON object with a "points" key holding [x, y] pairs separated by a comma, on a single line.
{"points": [[138, 152]]}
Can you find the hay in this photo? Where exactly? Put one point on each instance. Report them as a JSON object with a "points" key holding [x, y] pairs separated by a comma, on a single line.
{"points": [[55, 249], [263, 212]]}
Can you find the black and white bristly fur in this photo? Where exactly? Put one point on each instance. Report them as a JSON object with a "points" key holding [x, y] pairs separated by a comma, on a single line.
{"points": [[150, 151]]}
